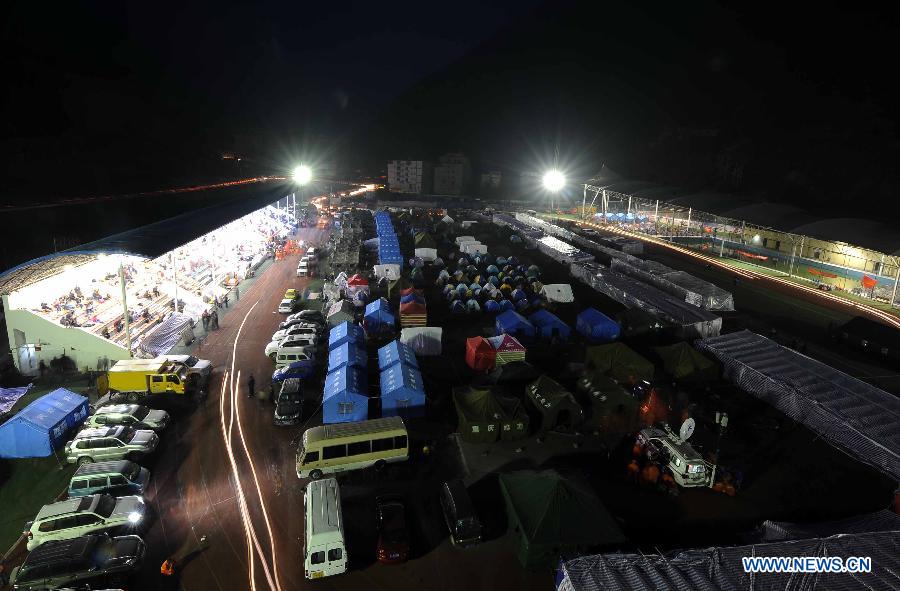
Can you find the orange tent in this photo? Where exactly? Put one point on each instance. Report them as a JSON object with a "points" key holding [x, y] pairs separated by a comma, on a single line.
{"points": [[480, 354]]}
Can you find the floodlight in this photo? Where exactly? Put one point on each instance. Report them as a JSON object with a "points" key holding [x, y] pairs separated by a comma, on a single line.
{"points": [[554, 180], [302, 174]]}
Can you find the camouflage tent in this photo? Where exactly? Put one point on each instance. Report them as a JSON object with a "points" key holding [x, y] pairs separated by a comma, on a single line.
{"points": [[619, 362], [683, 362], [557, 406]]}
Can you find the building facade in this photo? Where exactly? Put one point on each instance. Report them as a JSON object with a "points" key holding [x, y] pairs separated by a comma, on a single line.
{"points": [[491, 179], [451, 175], [409, 176]]}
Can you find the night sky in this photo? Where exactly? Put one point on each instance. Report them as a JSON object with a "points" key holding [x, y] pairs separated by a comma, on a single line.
{"points": [[766, 100]]}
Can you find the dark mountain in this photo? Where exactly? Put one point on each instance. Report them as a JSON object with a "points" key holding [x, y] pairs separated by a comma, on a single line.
{"points": [[772, 100]]}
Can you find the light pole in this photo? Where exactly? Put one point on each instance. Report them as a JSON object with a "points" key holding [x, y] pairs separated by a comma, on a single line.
{"points": [[302, 175], [554, 181]]}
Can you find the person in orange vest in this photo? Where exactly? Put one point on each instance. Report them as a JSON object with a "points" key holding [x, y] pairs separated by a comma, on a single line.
{"points": [[167, 569], [668, 483], [633, 471], [636, 450], [651, 474]]}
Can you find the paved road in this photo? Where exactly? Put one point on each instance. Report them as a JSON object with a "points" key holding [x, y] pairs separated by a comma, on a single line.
{"points": [[246, 498]]}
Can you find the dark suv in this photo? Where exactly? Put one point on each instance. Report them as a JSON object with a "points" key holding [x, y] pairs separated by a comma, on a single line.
{"points": [[289, 404], [94, 560], [459, 513]]}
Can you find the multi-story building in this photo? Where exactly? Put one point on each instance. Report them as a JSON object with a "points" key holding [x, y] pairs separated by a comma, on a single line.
{"points": [[409, 176], [491, 179], [451, 175]]}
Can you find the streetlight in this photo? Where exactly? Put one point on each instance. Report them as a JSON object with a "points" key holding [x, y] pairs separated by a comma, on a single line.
{"points": [[554, 181], [302, 174]]}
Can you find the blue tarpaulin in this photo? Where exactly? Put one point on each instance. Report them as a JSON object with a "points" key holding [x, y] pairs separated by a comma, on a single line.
{"points": [[379, 315], [347, 354], [596, 326], [9, 397], [41, 427], [402, 392], [396, 352], [345, 332], [344, 399], [511, 322], [548, 324]]}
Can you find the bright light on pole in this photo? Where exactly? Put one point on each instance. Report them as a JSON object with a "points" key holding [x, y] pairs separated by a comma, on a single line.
{"points": [[554, 180], [302, 174]]}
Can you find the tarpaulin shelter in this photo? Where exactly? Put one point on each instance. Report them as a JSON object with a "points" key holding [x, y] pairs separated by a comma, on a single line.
{"points": [[396, 352], [507, 349], [554, 516], [511, 322], [345, 332], [40, 428], [612, 408], [344, 398], [9, 397], [402, 392], [619, 361], [548, 325], [558, 293], [423, 340], [480, 354], [348, 354], [341, 311], [479, 415], [683, 362], [596, 326], [378, 315], [413, 314], [558, 407], [357, 280]]}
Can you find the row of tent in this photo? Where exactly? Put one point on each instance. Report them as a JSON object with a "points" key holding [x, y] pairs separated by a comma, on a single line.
{"points": [[543, 324], [378, 317], [484, 354], [388, 245], [413, 312]]}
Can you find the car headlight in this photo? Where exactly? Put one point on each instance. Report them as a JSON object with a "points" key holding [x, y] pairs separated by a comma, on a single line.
{"points": [[135, 517]]}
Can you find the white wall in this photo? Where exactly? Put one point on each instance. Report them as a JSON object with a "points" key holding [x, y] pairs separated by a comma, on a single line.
{"points": [[83, 347]]}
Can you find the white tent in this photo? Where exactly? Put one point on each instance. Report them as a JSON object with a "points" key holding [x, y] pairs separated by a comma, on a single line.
{"points": [[468, 223], [473, 248], [426, 254], [558, 292], [341, 280], [388, 271], [424, 340], [461, 239], [447, 219]]}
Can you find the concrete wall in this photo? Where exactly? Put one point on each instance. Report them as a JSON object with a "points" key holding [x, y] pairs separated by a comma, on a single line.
{"points": [[85, 349]]}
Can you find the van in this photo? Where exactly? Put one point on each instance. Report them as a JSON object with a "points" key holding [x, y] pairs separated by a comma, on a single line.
{"points": [[116, 478], [324, 554], [459, 514], [289, 355], [341, 447], [303, 269]]}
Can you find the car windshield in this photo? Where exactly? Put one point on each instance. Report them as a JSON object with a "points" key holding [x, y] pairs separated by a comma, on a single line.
{"points": [[105, 506], [191, 361], [132, 472], [141, 413], [127, 435]]}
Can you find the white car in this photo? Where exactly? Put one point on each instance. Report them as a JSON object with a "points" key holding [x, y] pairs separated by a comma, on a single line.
{"points": [[130, 415], [195, 365], [297, 341], [298, 329], [286, 306], [83, 515], [302, 269]]}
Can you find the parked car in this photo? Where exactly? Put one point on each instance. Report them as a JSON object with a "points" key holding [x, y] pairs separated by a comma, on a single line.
{"points": [[289, 403], [94, 560], [459, 514], [77, 517], [109, 443], [312, 252], [117, 478], [303, 341], [287, 306], [291, 294], [393, 536], [297, 330], [314, 316], [194, 365], [287, 355], [298, 369], [130, 415]]}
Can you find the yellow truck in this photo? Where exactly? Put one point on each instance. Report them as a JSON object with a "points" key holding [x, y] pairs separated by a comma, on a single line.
{"points": [[133, 379]]}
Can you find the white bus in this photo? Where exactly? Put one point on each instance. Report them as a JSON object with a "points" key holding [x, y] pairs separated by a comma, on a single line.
{"points": [[351, 446], [324, 551]]}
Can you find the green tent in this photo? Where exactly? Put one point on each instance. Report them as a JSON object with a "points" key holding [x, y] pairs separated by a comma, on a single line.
{"points": [[552, 515], [613, 409], [683, 362], [424, 240], [618, 361], [557, 406], [398, 285], [479, 415], [515, 422]]}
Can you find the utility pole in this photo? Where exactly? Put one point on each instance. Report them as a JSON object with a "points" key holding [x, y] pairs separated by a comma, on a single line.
{"points": [[584, 204], [175, 279], [125, 308], [721, 423]]}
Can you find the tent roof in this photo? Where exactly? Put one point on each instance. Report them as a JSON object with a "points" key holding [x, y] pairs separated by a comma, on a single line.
{"points": [[681, 360], [345, 381], [512, 320], [348, 353], [515, 371], [505, 342], [544, 317], [414, 307], [477, 404], [558, 292], [341, 307], [618, 354], [424, 240], [378, 305], [348, 330], [47, 411], [357, 280], [479, 343], [396, 352], [553, 510], [551, 390], [401, 375]]}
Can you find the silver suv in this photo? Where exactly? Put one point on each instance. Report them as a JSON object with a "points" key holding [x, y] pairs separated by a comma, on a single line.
{"points": [[109, 443], [129, 415], [78, 517]]}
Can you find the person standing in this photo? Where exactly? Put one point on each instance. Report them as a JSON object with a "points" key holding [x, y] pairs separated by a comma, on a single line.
{"points": [[226, 300], [251, 386]]}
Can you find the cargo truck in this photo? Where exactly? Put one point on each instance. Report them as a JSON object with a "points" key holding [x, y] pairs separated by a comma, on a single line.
{"points": [[134, 379]]}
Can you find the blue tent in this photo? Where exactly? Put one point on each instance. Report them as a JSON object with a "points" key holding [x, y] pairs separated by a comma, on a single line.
{"points": [[378, 314], [518, 294], [492, 306], [412, 297], [40, 428], [492, 270], [396, 352], [344, 399], [548, 324], [511, 322], [596, 326], [402, 392], [348, 354], [457, 307], [345, 332], [506, 305]]}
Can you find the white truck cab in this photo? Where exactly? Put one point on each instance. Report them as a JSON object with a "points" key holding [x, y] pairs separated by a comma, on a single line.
{"points": [[674, 453], [324, 553]]}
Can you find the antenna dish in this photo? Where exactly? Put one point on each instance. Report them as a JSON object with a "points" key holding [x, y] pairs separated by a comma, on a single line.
{"points": [[687, 429]]}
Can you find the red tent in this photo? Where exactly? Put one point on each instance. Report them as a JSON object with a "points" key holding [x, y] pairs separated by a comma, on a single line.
{"points": [[410, 290], [412, 308], [357, 280], [480, 355]]}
